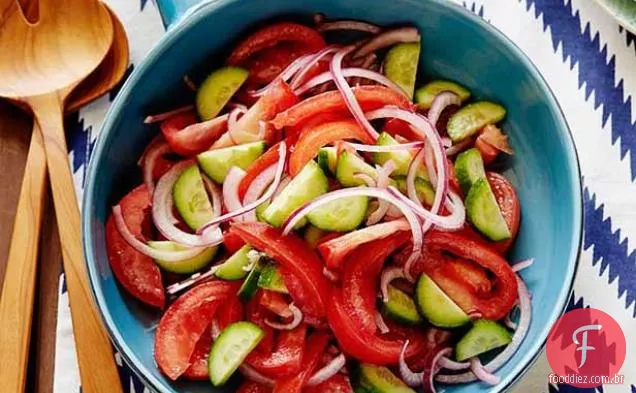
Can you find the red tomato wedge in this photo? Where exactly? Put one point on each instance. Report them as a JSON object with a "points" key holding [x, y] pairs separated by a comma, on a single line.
{"points": [[459, 280], [232, 242], [184, 322], [276, 303], [293, 133], [231, 311], [295, 257], [136, 272], [508, 204], [273, 35], [253, 387], [286, 359], [369, 98], [336, 384], [187, 137], [316, 345], [487, 152], [312, 140], [335, 251], [269, 63], [258, 314], [269, 158], [278, 98], [361, 277], [401, 128], [198, 370]]}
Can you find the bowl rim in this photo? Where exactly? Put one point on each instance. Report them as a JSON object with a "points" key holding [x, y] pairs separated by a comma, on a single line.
{"points": [[201, 11]]}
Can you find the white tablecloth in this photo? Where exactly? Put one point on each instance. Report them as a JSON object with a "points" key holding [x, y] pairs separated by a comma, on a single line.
{"points": [[590, 63]]}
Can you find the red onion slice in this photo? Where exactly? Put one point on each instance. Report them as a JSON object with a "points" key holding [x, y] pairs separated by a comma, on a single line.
{"points": [[385, 148], [331, 276], [441, 102], [346, 92], [328, 370], [526, 263], [150, 160], [232, 120], [445, 362], [163, 217], [460, 147], [300, 76], [215, 194], [410, 378], [189, 83], [481, 373], [388, 275], [297, 320], [230, 190], [388, 38], [193, 280], [215, 329], [350, 25], [379, 322], [525, 309], [367, 179], [166, 115], [280, 166], [348, 73], [384, 172], [168, 256], [257, 188], [453, 222], [291, 70], [253, 375]]}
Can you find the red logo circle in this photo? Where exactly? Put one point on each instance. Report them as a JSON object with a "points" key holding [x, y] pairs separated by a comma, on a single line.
{"points": [[586, 348]]}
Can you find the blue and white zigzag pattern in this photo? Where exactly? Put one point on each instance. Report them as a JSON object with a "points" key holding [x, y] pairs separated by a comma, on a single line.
{"points": [[590, 63]]}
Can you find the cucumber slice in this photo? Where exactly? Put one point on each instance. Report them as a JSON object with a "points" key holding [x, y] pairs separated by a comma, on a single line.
{"points": [[233, 267], [341, 215], [400, 65], [217, 90], [313, 235], [191, 199], [401, 159], [327, 159], [231, 348], [469, 167], [186, 266], [401, 307], [436, 306], [348, 165], [485, 335], [310, 183], [271, 279], [472, 118], [217, 163], [423, 189], [483, 211], [377, 379], [250, 285], [425, 95]]}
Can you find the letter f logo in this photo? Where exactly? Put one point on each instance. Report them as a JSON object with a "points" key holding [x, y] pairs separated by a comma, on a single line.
{"points": [[584, 347]]}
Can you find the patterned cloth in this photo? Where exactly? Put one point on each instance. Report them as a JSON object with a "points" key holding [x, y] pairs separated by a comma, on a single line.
{"points": [[590, 63]]}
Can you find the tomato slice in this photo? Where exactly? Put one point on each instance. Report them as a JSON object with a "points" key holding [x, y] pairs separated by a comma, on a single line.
{"points": [[295, 258], [401, 128], [369, 98], [136, 272], [362, 274], [510, 207], [232, 242], [185, 321], [270, 62], [278, 98], [487, 152], [276, 303], [187, 137], [287, 357], [316, 345], [258, 314], [273, 35], [312, 140], [198, 370], [257, 167], [336, 384], [253, 387], [293, 133], [459, 280], [335, 251], [229, 312]]}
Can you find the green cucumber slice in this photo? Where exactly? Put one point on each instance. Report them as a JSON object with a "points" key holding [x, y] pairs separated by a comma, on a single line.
{"points": [[378, 379], [312, 235], [401, 307], [310, 183], [348, 165], [327, 159], [436, 306], [483, 211], [186, 266], [341, 215], [217, 90], [191, 199], [485, 335], [250, 285], [469, 167], [271, 279], [233, 267], [472, 118], [400, 65], [423, 189], [231, 348], [401, 158], [217, 163], [425, 95]]}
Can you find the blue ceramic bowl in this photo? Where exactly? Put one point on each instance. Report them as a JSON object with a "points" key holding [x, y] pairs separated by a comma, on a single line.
{"points": [[455, 45]]}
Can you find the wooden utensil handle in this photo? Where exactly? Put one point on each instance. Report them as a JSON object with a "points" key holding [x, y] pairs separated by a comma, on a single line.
{"points": [[16, 300], [98, 371]]}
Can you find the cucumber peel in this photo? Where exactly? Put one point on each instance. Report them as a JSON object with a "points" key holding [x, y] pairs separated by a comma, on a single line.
{"points": [[473, 117], [484, 213], [469, 167], [271, 279], [425, 95], [217, 90]]}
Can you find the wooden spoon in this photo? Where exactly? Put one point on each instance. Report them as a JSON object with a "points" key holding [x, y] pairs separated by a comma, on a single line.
{"points": [[41, 64], [16, 300]]}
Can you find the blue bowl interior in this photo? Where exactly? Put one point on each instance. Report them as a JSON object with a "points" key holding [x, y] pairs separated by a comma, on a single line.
{"points": [[455, 45]]}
